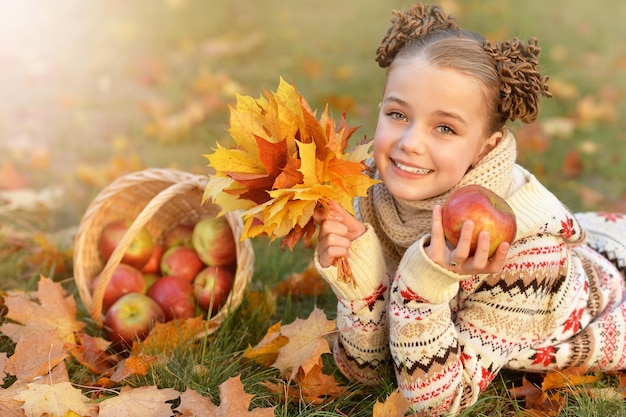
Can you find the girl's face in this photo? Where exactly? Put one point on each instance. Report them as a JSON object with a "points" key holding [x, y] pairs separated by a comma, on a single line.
{"points": [[431, 129]]}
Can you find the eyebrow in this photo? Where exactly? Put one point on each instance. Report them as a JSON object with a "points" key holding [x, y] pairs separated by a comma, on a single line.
{"points": [[454, 116]]}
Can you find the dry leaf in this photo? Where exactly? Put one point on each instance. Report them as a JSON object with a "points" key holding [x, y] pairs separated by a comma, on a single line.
{"points": [[308, 283], [10, 406], [395, 405], [47, 308], [53, 400], [36, 353], [138, 364], [193, 404], [139, 402], [307, 342], [317, 387], [234, 401], [567, 378], [167, 337], [91, 352], [266, 351]]}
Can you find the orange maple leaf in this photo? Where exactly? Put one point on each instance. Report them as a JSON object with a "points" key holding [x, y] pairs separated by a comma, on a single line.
{"points": [[234, 401], [395, 405], [302, 284], [266, 351], [285, 161], [167, 337], [314, 387]]}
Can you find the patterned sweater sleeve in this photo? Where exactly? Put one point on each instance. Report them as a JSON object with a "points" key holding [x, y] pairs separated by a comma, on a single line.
{"points": [[361, 348], [443, 355]]}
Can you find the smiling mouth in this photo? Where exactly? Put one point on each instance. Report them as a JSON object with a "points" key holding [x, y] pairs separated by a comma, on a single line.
{"points": [[412, 170]]}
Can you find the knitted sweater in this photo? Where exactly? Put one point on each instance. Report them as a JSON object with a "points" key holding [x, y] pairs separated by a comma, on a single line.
{"points": [[558, 302]]}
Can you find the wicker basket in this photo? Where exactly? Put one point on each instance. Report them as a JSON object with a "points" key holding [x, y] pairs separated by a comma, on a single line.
{"points": [[158, 199]]}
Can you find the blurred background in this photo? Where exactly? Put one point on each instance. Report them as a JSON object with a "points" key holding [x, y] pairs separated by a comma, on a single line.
{"points": [[91, 90]]}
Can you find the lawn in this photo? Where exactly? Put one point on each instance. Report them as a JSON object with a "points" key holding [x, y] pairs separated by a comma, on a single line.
{"points": [[94, 90]]}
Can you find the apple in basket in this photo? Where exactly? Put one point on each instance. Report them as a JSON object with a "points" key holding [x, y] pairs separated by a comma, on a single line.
{"points": [[131, 318], [153, 266], [175, 296], [182, 262], [125, 279], [212, 286], [214, 241], [138, 252], [179, 235], [486, 209]]}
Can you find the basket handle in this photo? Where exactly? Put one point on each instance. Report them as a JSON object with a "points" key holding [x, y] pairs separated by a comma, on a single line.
{"points": [[141, 220]]}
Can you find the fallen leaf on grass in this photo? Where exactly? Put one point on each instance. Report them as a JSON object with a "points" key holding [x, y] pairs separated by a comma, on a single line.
{"points": [[313, 387], [566, 379], [234, 401], [48, 308], [10, 406], [266, 351], [316, 387], [308, 283], [193, 404], [395, 405], [36, 354], [306, 343], [147, 401], [91, 352], [60, 399], [138, 364], [164, 338]]}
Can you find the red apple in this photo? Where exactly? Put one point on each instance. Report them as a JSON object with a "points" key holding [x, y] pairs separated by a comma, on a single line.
{"points": [[131, 318], [214, 241], [175, 296], [125, 279], [486, 209], [150, 279], [212, 287], [182, 262], [153, 266], [138, 252], [179, 235]]}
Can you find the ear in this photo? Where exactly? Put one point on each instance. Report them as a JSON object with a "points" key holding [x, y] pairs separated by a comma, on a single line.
{"points": [[487, 146]]}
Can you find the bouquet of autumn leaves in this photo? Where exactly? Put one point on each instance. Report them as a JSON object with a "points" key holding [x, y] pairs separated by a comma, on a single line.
{"points": [[284, 163]]}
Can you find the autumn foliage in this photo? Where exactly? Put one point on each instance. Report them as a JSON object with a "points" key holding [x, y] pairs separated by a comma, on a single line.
{"points": [[285, 162]]}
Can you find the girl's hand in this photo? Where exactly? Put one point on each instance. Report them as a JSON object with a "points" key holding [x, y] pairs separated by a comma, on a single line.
{"points": [[338, 229], [458, 259]]}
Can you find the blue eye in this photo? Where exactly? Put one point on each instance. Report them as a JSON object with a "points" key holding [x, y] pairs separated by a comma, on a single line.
{"points": [[396, 115], [447, 130]]}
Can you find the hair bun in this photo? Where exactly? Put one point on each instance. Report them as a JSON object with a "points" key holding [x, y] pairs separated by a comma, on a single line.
{"points": [[521, 84], [415, 22]]}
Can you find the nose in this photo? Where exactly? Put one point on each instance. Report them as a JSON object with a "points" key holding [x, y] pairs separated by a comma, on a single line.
{"points": [[412, 140]]}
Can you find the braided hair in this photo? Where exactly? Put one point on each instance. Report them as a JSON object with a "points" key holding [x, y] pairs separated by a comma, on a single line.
{"points": [[509, 70]]}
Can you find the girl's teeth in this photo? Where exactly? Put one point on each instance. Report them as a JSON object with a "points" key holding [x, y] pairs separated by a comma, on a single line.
{"points": [[412, 169]]}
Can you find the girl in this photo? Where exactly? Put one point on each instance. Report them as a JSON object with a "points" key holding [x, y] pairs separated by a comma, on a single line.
{"points": [[448, 320]]}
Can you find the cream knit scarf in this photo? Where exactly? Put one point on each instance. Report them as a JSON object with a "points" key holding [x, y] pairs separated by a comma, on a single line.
{"points": [[399, 223]]}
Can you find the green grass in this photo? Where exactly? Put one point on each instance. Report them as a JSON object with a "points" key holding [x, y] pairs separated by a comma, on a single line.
{"points": [[77, 87]]}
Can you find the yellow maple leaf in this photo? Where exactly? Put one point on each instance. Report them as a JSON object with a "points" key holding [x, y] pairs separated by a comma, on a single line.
{"points": [[285, 162]]}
